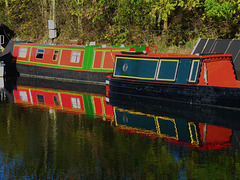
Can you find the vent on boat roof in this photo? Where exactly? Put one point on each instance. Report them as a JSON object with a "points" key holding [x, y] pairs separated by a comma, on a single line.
{"points": [[220, 46]]}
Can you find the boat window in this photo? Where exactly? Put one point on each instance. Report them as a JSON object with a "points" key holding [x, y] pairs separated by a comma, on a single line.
{"points": [[55, 55], [56, 101], [76, 103], [167, 127], [168, 69], [75, 58], [194, 70], [40, 53], [23, 95], [22, 52], [193, 133], [40, 99]]}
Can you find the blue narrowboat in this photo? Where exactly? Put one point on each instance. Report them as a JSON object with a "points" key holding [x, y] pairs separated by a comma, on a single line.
{"points": [[192, 79]]}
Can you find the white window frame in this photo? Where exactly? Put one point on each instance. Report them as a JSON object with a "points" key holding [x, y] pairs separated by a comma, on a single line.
{"points": [[22, 52], [23, 96], [75, 57], [192, 66], [76, 103]]}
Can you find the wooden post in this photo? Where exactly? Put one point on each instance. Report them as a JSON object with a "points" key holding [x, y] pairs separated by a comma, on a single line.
{"points": [[53, 10]]}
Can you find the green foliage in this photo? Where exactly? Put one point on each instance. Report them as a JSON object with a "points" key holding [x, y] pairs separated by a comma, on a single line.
{"points": [[124, 21], [218, 9]]}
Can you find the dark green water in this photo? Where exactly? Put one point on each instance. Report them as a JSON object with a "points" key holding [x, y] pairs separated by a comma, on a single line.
{"points": [[42, 142]]}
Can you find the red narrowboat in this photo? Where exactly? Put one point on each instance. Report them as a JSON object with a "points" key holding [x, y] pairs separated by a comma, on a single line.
{"points": [[64, 62]]}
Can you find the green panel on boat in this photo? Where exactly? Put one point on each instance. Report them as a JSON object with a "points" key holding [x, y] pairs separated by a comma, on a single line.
{"points": [[139, 48], [140, 68], [88, 58], [89, 109]]}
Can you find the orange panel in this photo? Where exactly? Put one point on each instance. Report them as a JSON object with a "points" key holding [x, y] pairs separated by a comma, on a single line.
{"points": [[47, 56], [17, 97], [108, 60], [66, 57], [67, 103], [215, 134], [98, 105], [98, 59], [108, 108], [48, 97], [219, 73], [16, 53]]}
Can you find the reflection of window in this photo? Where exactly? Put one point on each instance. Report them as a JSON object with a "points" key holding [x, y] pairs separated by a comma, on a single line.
{"points": [[167, 127], [40, 99], [194, 70], [22, 52], [40, 53], [55, 98], [193, 133], [55, 55], [75, 57], [23, 96], [76, 103], [168, 70]]}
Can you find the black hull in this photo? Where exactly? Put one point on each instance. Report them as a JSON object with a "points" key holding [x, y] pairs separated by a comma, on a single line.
{"points": [[63, 74], [187, 94]]}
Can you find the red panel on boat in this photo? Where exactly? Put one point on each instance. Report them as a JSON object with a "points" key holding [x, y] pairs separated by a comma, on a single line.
{"points": [[21, 96], [215, 134], [98, 105], [108, 108], [219, 73], [23, 55], [108, 60], [44, 97], [98, 59], [72, 55], [45, 57], [72, 102]]}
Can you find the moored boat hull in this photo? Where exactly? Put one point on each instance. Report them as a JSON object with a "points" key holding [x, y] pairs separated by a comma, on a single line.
{"points": [[63, 74], [190, 94]]}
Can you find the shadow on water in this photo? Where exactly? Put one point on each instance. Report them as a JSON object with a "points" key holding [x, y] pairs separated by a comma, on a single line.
{"points": [[56, 130]]}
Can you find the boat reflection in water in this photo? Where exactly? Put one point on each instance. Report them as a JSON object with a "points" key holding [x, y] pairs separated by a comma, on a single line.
{"points": [[56, 131], [199, 127], [74, 100]]}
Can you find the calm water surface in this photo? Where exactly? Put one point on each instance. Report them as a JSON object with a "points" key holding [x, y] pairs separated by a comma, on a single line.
{"points": [[52, 130]]}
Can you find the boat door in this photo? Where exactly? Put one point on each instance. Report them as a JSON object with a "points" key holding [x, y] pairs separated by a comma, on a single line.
{"points": [[183, 71]]}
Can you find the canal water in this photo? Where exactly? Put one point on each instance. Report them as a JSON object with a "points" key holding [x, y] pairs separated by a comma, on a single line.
{"points": [[56, 130]]}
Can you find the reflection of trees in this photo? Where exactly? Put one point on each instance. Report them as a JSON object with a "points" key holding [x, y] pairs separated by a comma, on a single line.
{"points": [[39, 145]]}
